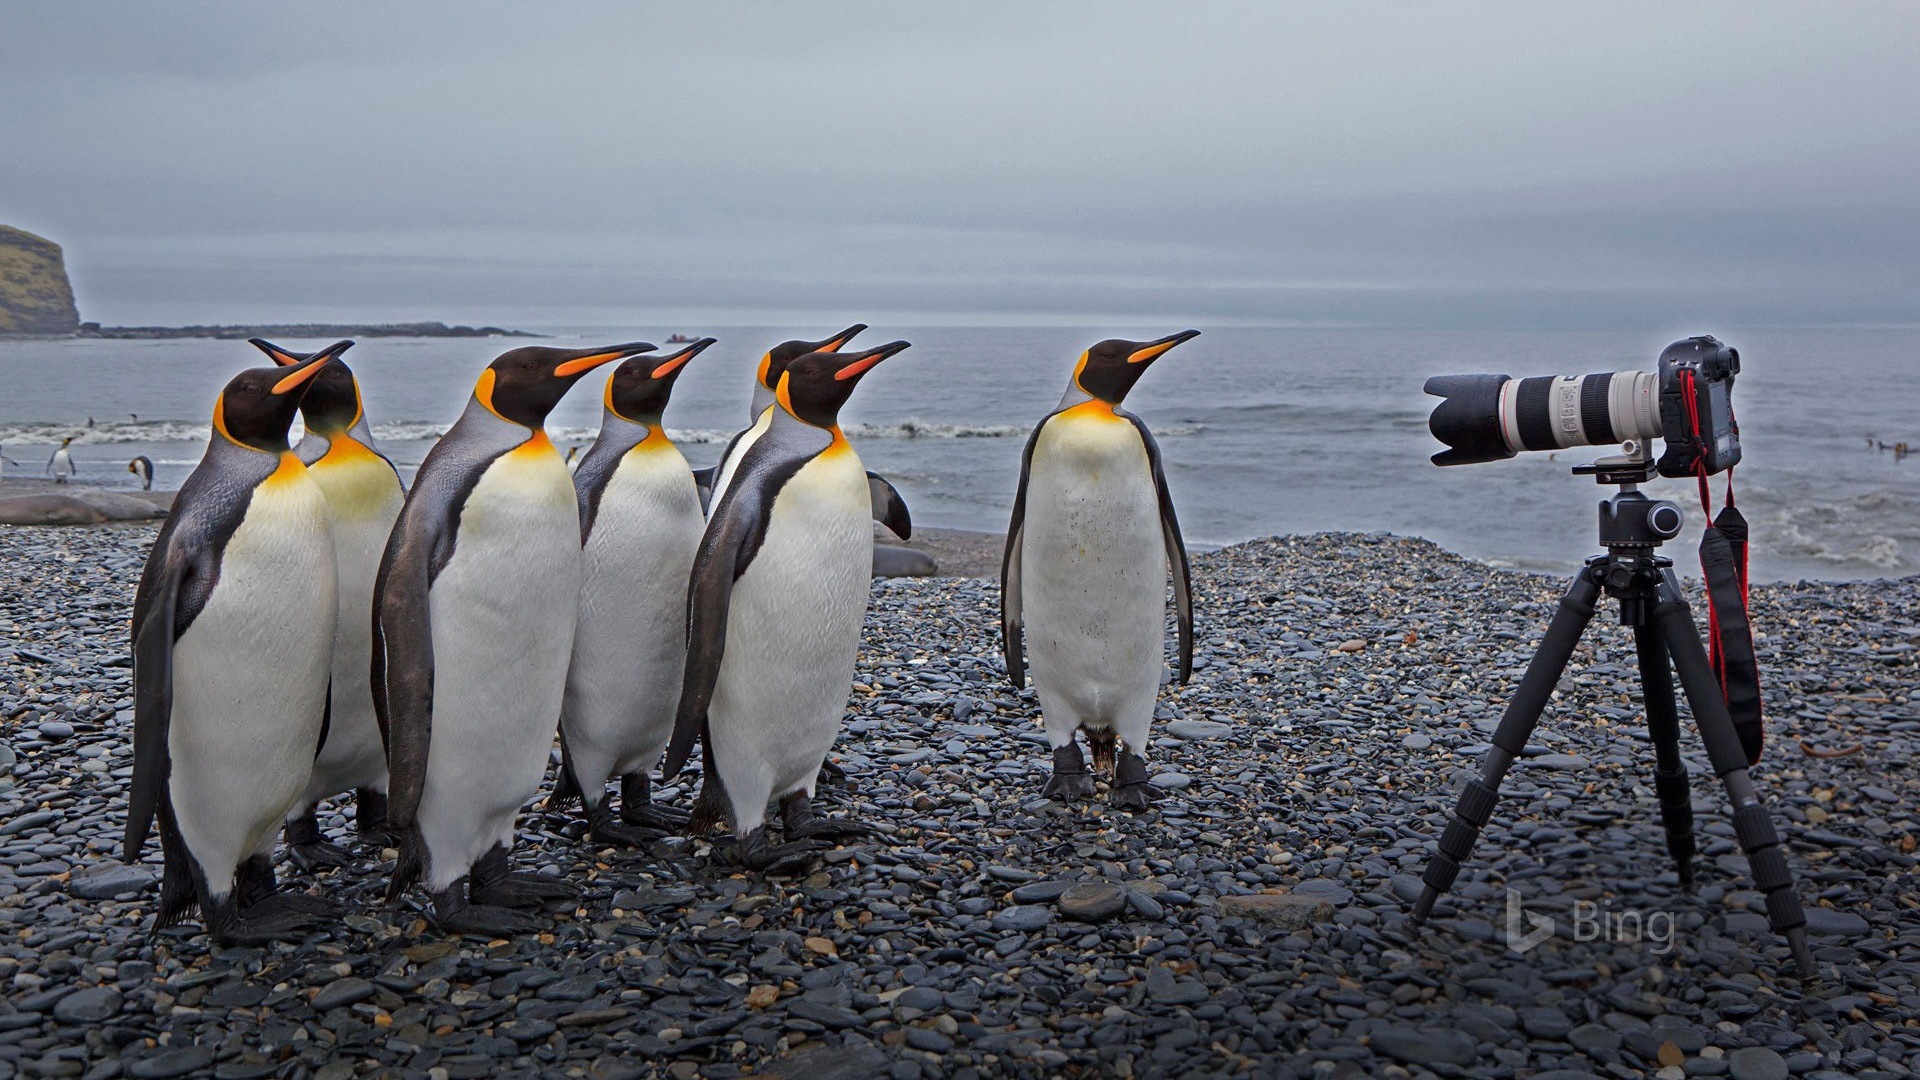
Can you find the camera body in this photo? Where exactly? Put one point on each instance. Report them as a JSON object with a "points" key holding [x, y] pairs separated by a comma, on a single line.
{"points": [[1700, 368], [1490, 417]]}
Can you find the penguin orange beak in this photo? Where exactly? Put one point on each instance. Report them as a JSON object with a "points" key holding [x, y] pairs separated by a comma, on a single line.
{"points": [[284, 358], [864, 362], [839, 340], [673, 363], [1153, 349], [297, 377], [582, 364]]}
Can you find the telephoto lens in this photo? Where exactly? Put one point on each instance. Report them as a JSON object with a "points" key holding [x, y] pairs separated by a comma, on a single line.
{"points": [[1490, 417]]}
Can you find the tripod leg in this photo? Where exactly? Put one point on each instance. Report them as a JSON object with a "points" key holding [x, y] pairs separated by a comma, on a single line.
{"points": [[1510, 738], [1669, 772], [1751, 824]]}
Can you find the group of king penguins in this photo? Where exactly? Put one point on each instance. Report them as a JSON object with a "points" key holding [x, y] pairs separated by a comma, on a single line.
{"points": [[306, 625]]}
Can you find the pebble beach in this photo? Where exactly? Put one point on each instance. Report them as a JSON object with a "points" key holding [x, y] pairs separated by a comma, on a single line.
{"points": [[1253, 923]]}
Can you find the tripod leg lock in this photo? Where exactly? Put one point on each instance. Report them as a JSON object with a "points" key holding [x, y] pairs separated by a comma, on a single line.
{"points": [[1456, 842], [1769, 863]]}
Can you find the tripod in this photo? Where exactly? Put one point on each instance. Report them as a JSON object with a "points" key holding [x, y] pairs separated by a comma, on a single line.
{"points": [[1631, 527]]}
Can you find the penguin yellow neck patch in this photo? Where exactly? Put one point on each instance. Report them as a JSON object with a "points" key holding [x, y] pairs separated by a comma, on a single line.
{"points": [[344, 449], [289, 470], [1091, 410], [483, 393], [538, 443]]}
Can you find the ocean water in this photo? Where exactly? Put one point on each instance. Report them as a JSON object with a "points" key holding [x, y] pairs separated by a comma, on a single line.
{"points": [[1264, 430]]}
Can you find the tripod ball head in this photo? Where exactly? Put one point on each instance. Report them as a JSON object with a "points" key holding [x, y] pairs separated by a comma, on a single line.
{"points": [[1630, 520]]}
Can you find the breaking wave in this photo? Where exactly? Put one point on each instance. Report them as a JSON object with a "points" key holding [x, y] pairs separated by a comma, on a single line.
{"points": [[169, 431]]}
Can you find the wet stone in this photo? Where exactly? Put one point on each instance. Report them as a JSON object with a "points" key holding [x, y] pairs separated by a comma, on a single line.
{"points": [[89, 1006], [342, 992], [1023, 917], [1416, 1046], [181, 1061], [1757, 1063], [1093, 901]]}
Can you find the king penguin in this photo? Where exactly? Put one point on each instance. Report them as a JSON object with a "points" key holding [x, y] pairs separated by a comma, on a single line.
{"points": [[475, 606], [232, 648], [777, 598], [363, 498], [888, 508], [640, 522], [61, 465], [1091, 542]]}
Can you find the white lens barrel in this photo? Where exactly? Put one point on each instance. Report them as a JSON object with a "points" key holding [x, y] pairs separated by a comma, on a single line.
{"points": [[1553, 412]]}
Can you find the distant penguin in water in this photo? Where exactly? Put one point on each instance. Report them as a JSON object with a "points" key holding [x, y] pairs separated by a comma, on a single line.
{"points": [[1091, 542], [60, 466], [142, 467], [573, 459], [363, 497], [232, 648], [777, 599], [475, 607], [640, 522]]}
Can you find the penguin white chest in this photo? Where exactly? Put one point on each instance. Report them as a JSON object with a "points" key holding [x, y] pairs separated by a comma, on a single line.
{"points": [[1093, 564], [363, 499], [793, 625], [725, 469], [503, 612], [631, 646], [250, 675]]}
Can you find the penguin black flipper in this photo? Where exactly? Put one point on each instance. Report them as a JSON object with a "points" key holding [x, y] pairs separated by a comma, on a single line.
{"points": [[703, 483], [172, 592], [889, 508], [402, 662], [704, 479], [601, 461], [1176, 548], [1010, 625], [726, 550]]}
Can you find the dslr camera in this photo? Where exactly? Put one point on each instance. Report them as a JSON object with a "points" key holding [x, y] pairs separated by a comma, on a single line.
{"points": [[1688, 401]]}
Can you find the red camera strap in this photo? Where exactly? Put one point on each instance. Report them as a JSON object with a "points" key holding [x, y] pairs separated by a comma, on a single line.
{"points": [[1723, 563]]}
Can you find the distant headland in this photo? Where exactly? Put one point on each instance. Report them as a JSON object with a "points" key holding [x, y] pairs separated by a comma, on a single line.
{"points": [[299, 330], [36, 300]]}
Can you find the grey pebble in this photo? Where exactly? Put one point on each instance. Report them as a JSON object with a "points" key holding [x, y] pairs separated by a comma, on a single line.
{"points": [[1757, 1063]]}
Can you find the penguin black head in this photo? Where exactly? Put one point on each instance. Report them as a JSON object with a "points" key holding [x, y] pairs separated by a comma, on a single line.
{"points": [[332, 404], [818, 384], [523, 385], [774, 364], [640, 386], [258, 404], [1108, 370]]}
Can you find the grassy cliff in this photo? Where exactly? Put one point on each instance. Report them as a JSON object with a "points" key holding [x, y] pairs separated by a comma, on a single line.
{"points": [[35, 296]]}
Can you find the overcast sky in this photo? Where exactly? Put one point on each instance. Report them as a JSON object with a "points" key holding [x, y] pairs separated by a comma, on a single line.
{"points": [[1405, 164]]}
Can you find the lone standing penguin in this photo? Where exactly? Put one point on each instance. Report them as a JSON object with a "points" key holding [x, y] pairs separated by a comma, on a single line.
{"points": [[1091, 542]]}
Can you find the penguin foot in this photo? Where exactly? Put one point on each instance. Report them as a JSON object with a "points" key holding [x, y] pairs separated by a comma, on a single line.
{"points": [[757, 852], [308, 849], [1131, 791], [293, 903], [494, 884], [832, 773], [454, 914], [318, 855], [801, 823], [1070, 779], [602, 828], [265, 929], [370, 819], [637, 807]]}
